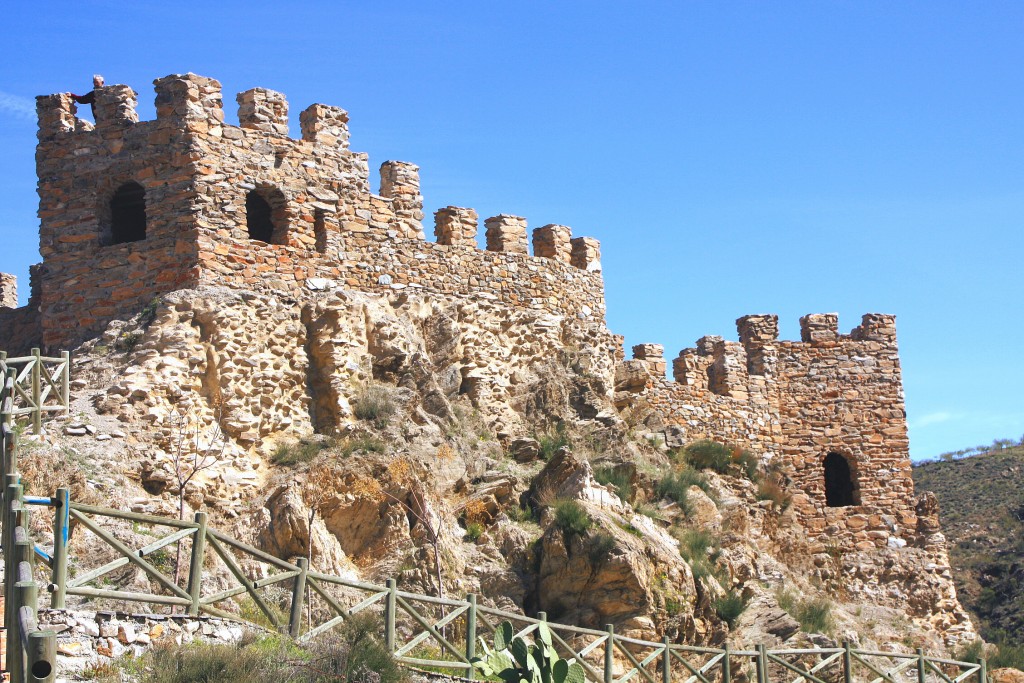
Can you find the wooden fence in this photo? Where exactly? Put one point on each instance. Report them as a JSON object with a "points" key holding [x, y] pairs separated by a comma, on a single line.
{"points": [[231, 579], [31, 651], [41, 385]]}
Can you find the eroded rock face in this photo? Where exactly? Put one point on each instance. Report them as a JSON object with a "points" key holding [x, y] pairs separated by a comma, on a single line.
{"points": [[284, 531]]}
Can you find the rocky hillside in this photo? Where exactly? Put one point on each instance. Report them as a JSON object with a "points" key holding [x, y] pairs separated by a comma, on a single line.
{"points": [[459, 449], [981, 499]]}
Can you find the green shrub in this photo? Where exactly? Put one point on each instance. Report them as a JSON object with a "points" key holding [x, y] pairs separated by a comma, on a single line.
{"points": [[299, 452], [366, 444], [354, 653], [571, 518], [126, 341], [747, 462], [519, 514], [1008, 655], [474, 530], [729, 607], [814, 614], [551, 441], [601, 546], [709, 455], [618, 479], [675, 486], [216, 663], [375, 404], [970, 652], [695, 543]]}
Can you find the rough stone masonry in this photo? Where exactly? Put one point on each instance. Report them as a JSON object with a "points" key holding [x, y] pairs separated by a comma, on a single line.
{"points": [[131, 210]]}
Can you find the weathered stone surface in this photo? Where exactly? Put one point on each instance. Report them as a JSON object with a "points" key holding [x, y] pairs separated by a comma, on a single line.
{"points": [[1007, 675], [197, 174]]}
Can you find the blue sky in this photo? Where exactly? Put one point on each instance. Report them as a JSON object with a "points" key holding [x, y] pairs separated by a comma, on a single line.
{"points": [[733, 158]]}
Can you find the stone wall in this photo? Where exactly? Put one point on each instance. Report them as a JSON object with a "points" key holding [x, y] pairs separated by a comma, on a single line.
{"points": [[19, 326], [86, 638], [796, 402], [204, 181]]}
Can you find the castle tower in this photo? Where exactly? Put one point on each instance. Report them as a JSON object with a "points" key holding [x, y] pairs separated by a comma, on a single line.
{"points": [[133, 209]]}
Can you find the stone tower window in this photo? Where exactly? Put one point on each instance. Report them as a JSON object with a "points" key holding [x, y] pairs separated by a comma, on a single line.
{"points": [[840, 482], [320, 230], [128, 214], [265, 215]]}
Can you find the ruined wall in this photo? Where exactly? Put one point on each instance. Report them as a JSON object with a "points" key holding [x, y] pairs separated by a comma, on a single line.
{"points": [[326, 230], [796, 402], [19, 326]]}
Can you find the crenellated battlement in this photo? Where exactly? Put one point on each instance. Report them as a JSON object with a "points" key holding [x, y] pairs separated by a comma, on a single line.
{"points": [[130, 209], [810, 404]]}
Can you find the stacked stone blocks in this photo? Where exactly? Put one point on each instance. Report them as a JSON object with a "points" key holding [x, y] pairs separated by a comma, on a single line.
{"points": [[197, 172], [796, 402]]}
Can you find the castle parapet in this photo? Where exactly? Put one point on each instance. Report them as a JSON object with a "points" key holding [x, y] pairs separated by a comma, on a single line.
{"points": [[880, 327], [758, 329], [190, 99], [400, 181], [114, 106], [728, 374], [691, 366], [553, 242], [456, 225], [263, 109], [586, 253], [8, 291], [325, 125], [506, 233], [56, 115], [758, 334], [816, 328], [652, 356]]}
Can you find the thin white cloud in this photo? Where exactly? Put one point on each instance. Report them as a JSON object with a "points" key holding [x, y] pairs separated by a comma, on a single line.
{"points": [[933, 419], [16, 106]]}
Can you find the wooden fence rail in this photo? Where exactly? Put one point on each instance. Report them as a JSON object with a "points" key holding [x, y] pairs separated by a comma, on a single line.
{"points": [[230, 579]]}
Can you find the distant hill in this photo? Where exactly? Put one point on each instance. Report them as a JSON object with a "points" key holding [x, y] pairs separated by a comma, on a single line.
{"points": [[981, 498]]}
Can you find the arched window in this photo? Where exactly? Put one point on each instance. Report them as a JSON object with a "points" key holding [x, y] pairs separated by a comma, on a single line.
{"points": [[265, 215], [840, 482], [128, 214]]}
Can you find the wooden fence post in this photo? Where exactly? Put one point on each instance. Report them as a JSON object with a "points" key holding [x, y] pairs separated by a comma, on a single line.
{"points": [[847, 663], [666, 661], [726, 666], [65, 382], [298, 598], [983, 671], [61, 526], [12, 497], [37, 392], [389, 615], [471, 633], [762, 664], [195, 567], [922, 672], [609, 654], [10, 439]]}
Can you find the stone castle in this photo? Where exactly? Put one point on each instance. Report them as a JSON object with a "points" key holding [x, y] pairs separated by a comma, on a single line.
{"points": [[130, 210]]}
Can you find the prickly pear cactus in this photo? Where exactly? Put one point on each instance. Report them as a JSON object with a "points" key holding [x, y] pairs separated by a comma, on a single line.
{"points": [[513, 660]]}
